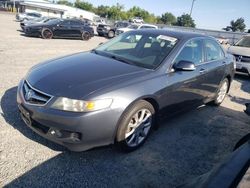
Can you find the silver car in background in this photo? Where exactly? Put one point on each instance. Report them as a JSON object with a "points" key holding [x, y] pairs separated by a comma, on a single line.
{"points": [[28, 16], [241, 52]]}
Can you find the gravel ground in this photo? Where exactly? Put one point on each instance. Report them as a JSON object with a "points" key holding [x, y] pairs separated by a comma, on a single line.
{"points": [[183, 147]]}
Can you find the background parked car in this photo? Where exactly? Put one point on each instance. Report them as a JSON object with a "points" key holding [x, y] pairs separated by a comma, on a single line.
{"points": [[241, 52], [34, 21], [99, 21], [109, 30], [137, 20], [61, 28], [27, 16], [134, 27]]}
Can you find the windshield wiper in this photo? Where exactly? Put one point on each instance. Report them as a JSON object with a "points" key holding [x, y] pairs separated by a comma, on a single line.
{"points": [[94, 51], [122, 60]]}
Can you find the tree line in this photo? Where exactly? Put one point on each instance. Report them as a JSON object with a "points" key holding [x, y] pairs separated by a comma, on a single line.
{"points": [[118, 12]]}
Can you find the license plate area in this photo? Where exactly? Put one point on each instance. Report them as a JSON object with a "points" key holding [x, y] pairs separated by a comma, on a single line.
{"points": [[238, 66], [24, 114]]}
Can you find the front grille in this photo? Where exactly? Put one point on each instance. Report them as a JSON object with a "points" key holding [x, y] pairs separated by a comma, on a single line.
{"points": [[34, 96], [243, 59], [101, 26]]}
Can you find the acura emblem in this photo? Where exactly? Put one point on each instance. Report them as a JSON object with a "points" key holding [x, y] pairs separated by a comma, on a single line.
{"points": [[239, 58], [29, 95]]}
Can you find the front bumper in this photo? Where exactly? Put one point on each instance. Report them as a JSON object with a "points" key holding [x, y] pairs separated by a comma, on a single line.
{"points": [[243, 67], [32, 32], [102, 31], [76, 131]]}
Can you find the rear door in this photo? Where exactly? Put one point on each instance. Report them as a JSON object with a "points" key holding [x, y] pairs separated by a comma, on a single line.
{"points": [[213, 68], [75, 28]]}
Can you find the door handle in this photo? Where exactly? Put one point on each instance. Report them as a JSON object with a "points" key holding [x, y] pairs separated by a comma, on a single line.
{"points": [[202, 71]]}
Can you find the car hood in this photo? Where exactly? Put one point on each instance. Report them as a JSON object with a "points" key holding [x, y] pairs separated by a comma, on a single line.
{"points": [[237, 50], [81, 74]]}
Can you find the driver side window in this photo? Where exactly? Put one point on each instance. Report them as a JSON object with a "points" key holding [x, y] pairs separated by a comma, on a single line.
{"points": [[192, 52]]}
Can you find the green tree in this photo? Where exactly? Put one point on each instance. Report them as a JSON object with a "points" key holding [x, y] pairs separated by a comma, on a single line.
{"points": [[238, 25], [115, 11], [84, 5], [185, 20], [139, 12], [64, 2], [168, 18], [102, 10]]}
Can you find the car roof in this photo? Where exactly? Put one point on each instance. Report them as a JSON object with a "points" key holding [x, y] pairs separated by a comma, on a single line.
{"points": [[171, 33]]}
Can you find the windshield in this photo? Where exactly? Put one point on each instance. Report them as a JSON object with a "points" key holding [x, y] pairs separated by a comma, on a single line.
{"points": [[146, 50], [244, 42], [133, 26]]}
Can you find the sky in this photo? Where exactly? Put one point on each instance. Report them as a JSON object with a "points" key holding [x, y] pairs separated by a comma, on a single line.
{"points": [[208, 14]]}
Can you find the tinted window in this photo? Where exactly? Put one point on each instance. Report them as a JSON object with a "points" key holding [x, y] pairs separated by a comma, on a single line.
{"points": [[65, 22], [192, 52], [147, 27], [75, 22], [213, 51]]}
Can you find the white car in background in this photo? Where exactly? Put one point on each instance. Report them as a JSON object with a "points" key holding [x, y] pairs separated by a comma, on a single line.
{"points": [[134, 27], [137, 20], [241, 52], [28, 16]]}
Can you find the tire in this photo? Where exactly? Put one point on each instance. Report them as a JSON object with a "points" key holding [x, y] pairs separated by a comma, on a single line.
{"points": [[111, 34], [47, 33], [135, 125], [221, 93], [85, 35]]}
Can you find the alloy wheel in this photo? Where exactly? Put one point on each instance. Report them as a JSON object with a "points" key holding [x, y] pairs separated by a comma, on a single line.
{"points": [[138, 127], [47, 34], [222, 92]]}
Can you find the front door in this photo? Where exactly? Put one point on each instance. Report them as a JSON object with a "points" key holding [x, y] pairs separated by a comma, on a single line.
{"points": [[62, 29], [184, 88]]}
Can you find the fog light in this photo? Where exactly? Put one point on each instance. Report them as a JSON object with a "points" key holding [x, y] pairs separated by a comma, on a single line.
{"points": [[65, 136]]}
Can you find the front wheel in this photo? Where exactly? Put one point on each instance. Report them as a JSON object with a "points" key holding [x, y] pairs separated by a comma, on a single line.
{"points": [[135, 125], [111, 34], [47, 33], [222, 92], [85, 36]]}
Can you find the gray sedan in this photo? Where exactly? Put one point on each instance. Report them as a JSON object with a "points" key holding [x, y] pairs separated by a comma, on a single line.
{"points": [[117, 92]]}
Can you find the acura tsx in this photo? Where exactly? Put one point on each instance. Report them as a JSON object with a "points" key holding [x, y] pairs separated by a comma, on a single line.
{"points": [[116, 92]]}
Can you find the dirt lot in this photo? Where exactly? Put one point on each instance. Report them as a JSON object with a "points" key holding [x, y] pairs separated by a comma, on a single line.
{"points": [[183, 148]]}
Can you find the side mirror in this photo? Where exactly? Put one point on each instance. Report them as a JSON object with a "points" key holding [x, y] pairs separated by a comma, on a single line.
{"points": [[184, 66], [100, 43]]}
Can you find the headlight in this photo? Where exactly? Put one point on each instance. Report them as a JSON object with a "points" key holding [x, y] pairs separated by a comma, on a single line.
{"points": [[74, 105]]}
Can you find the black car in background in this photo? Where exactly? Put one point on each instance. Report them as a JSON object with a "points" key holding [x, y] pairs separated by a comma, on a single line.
{"points": [[108, 30], [35, 21], [60, 28]]}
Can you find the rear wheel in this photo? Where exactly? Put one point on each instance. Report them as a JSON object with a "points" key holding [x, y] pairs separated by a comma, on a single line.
{"points": [[47, 33], [111, 34], [135, 125], [222, 92], [85, 36]]}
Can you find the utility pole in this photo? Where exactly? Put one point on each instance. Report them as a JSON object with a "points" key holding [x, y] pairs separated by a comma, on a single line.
{"points": [[192, 8]]}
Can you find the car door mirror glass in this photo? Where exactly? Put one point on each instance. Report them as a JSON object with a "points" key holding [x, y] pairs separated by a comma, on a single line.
{"points": [[184, 66]]}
